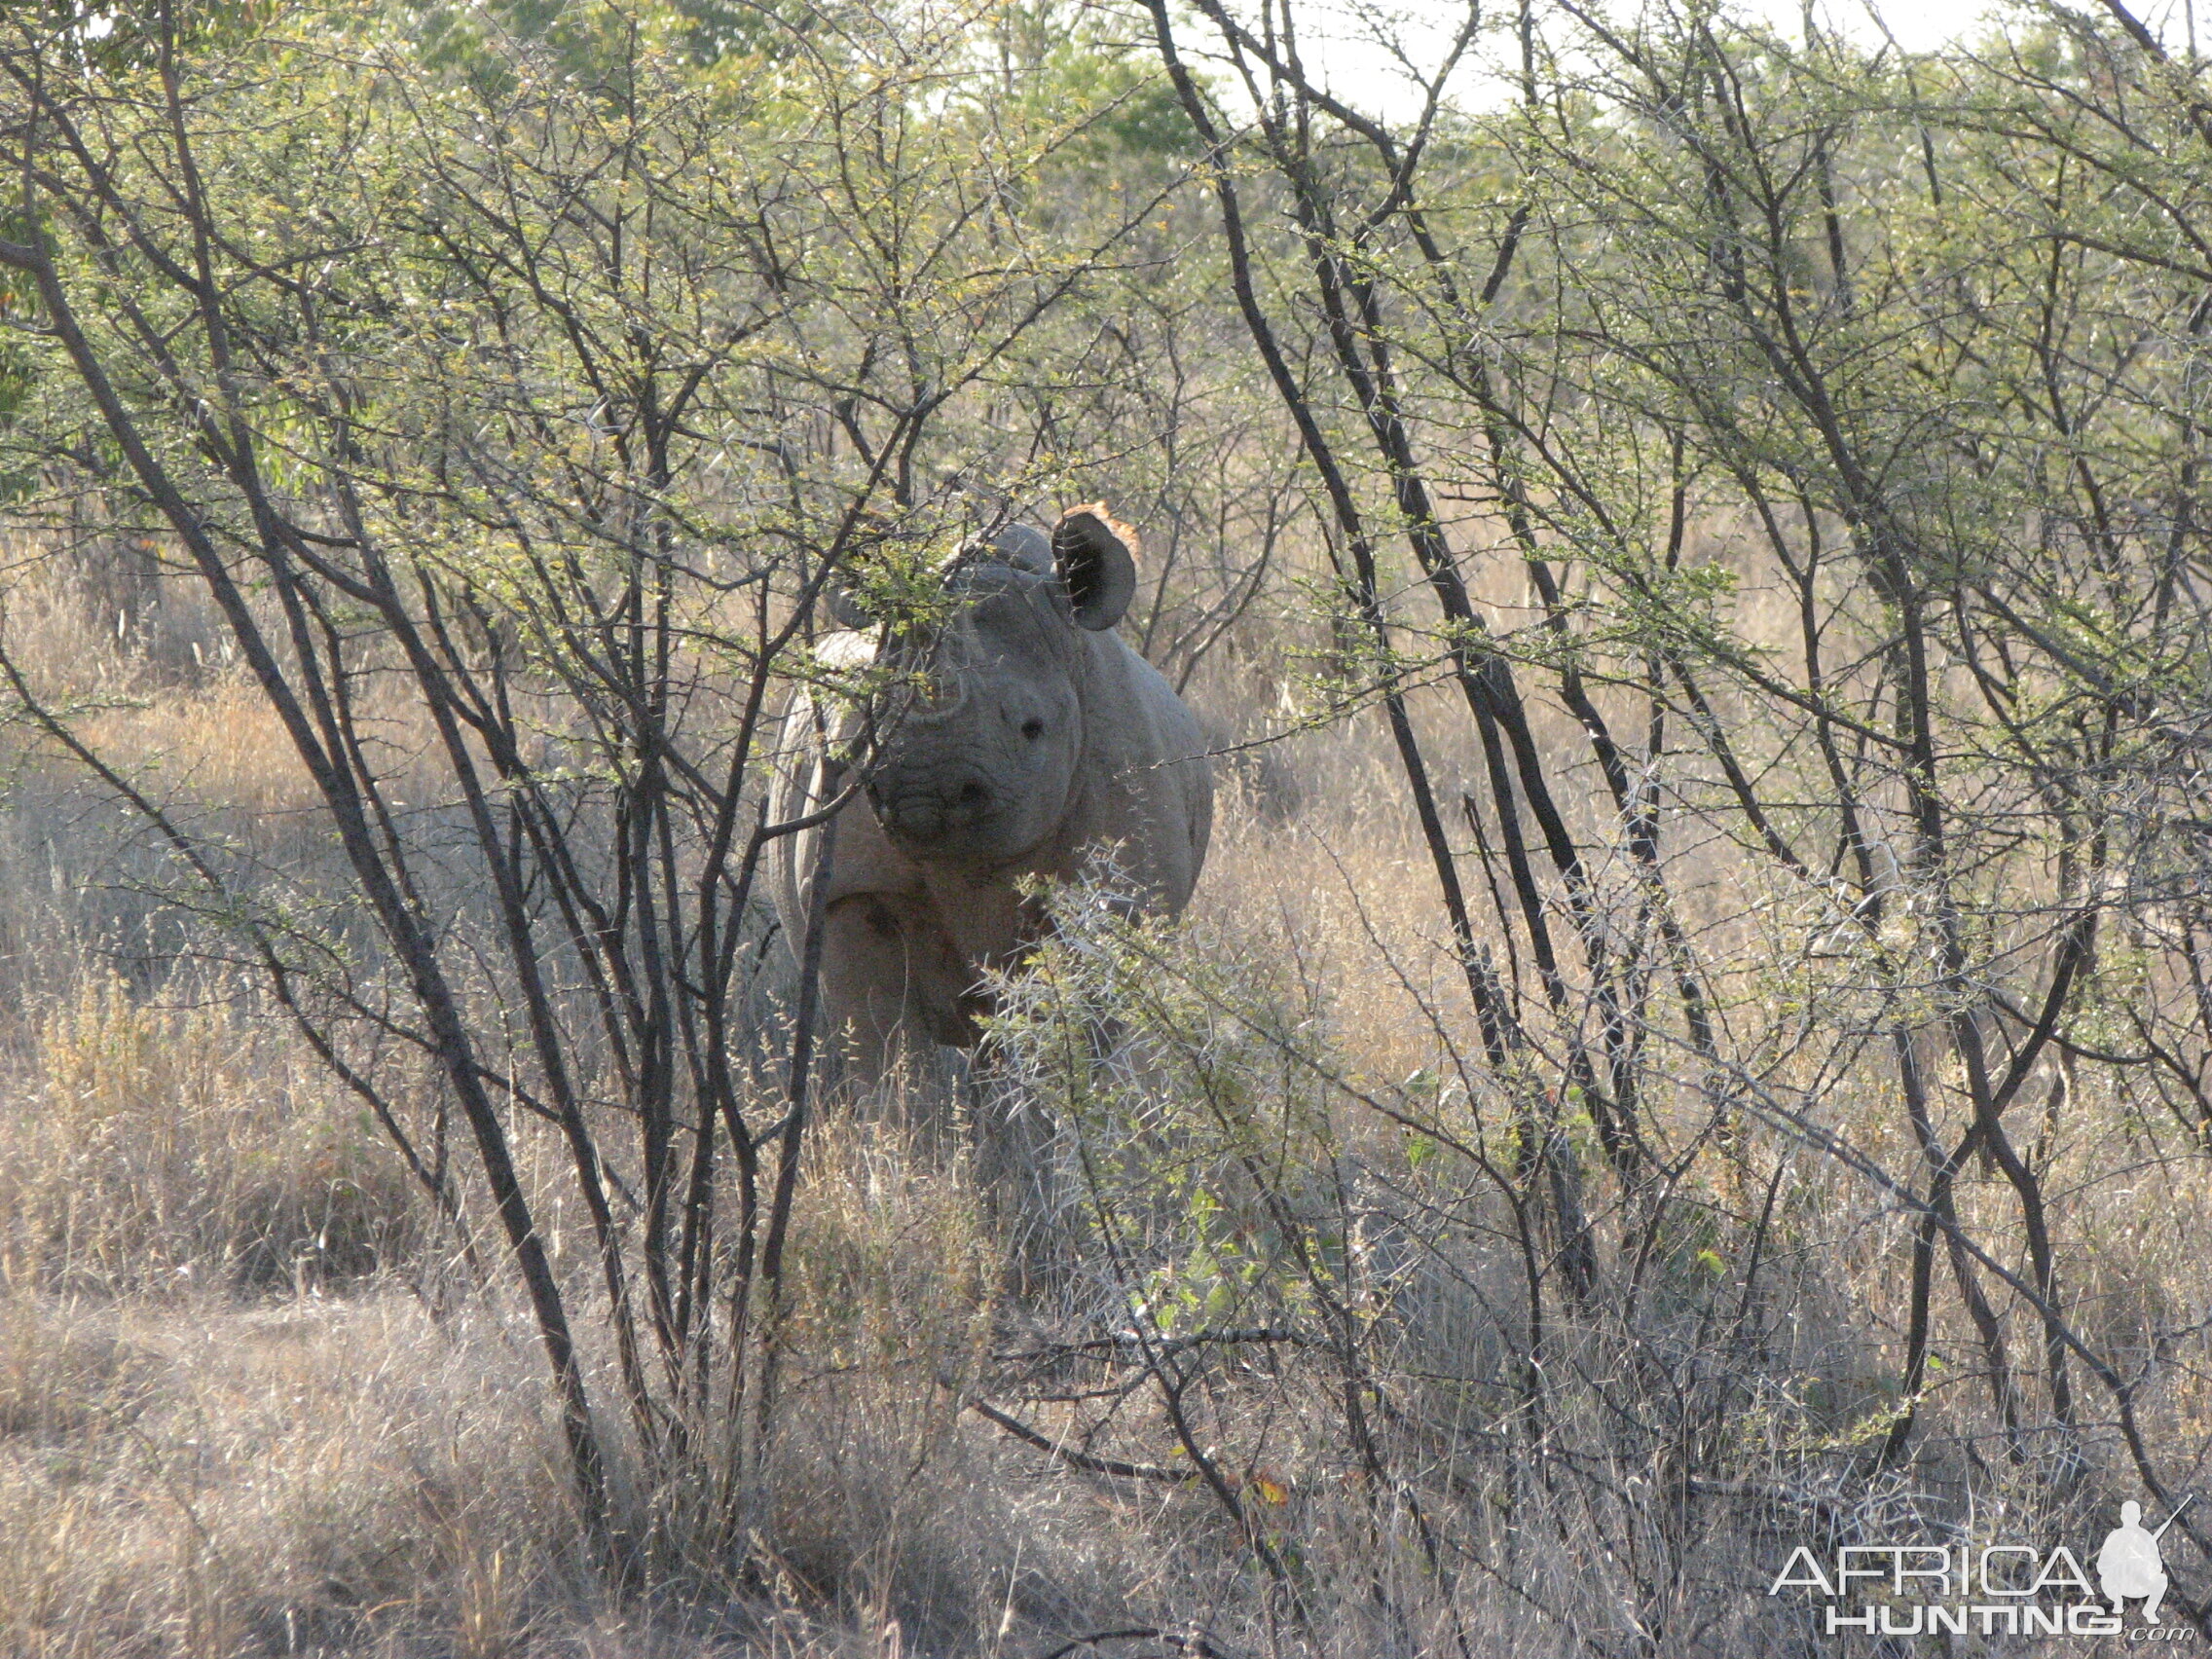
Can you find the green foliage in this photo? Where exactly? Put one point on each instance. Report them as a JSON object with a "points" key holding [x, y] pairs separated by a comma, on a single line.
{"points": [[1199, 1090], [1820, 433]]}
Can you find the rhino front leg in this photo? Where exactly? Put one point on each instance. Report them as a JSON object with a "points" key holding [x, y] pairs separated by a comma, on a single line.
{"points": [[864, 987], [891, 985]]}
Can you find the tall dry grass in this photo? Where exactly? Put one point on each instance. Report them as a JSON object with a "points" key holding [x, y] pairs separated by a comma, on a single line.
{"points": [[251, 1403], [228, 1425], [149, 1146]]}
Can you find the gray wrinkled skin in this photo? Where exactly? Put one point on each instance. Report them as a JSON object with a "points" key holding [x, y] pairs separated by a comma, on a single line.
{"points": [[1039, 740]]}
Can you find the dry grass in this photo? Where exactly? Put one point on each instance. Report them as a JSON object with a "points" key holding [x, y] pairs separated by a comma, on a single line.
{"points": [[204, 1477], [230, 1425], [208, 1475], [144, 1149], [219, 743]]}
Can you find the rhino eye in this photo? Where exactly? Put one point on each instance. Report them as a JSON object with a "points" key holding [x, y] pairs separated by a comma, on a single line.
{"points": [[1033, 729]]}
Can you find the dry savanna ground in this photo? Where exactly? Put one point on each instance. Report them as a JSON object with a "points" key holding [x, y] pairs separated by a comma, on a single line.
{"points": [[254, 1401]]}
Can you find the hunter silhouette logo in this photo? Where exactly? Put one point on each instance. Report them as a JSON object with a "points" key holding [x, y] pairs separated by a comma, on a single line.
{"points": [[1996, 1587], [2129, 1562]]}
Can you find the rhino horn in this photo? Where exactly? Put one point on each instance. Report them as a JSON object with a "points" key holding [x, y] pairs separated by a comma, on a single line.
{"points": [[1025, 544]]}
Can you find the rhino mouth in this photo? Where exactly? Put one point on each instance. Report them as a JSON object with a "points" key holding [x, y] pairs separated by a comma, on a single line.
{"points": [[950, 813]]}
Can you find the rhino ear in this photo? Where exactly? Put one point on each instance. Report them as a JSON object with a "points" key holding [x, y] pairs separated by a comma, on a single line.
{"points": [[1096, 559]]}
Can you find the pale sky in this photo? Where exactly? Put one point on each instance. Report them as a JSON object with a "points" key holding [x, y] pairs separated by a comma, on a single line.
{"points": [[1360, 71]]}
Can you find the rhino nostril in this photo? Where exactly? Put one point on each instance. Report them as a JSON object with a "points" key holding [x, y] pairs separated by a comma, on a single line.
{"points": [[970, 795], [1033, 729]]}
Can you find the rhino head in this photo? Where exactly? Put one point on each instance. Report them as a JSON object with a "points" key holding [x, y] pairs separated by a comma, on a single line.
{"points": [[981, 756]]}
